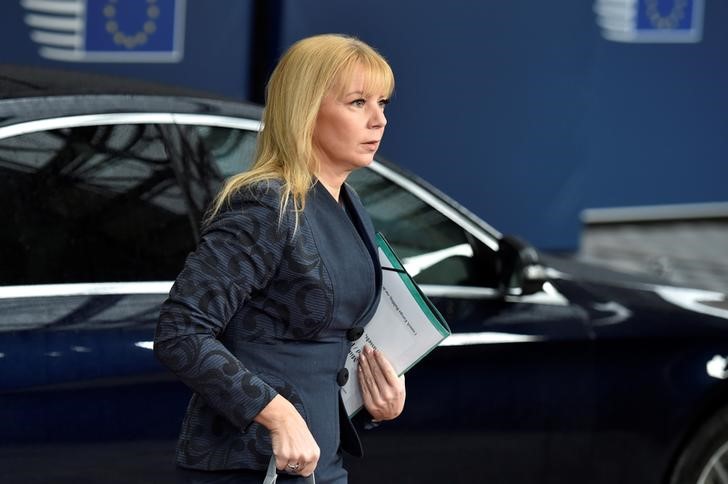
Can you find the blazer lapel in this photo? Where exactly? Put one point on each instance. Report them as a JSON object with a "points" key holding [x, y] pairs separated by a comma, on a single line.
{"points": [[364, 226]]}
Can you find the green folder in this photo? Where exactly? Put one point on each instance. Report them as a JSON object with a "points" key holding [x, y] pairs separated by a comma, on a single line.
{"points": [[405, 327]]}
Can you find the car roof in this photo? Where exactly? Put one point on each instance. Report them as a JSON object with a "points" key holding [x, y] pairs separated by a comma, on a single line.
{"points": [[29, 93], [18, 81]]}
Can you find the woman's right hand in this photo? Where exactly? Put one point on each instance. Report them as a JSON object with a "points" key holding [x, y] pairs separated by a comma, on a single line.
{"points": [[294, 447]]}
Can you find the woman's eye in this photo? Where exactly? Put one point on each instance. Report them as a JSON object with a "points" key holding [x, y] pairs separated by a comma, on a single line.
{"points": [[358, 102], [383, 102]]}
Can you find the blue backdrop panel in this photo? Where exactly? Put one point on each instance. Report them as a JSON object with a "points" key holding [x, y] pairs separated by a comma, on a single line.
{"points": [[658, 120], [490, 100], [525, 114], [203, 45]]}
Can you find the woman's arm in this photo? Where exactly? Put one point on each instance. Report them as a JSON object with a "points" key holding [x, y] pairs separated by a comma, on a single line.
{"points": [[237, 253]]}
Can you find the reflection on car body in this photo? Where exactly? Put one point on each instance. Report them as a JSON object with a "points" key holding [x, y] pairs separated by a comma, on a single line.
{"points": [[556, 371]]}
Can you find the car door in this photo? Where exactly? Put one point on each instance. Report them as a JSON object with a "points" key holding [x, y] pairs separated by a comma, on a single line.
{"points": [[98, 219], [506, 398]]}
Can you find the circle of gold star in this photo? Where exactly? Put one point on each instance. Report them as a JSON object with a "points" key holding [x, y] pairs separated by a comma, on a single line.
{"points": [[140, 37], [669, 21]]}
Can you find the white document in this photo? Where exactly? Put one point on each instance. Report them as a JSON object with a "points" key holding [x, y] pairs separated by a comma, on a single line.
{"points": [[405, 326]]}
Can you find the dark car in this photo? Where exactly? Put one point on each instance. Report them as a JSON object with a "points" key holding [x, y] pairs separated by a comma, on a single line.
{"points": [[556, 372]]}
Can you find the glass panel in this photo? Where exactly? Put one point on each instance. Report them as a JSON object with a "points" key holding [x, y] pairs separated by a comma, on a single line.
{"points": [[124, 203], [91, 204], [432, 247], [232, 150]]}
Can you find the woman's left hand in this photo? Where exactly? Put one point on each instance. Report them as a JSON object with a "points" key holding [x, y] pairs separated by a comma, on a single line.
{"points": [[382, 389]]}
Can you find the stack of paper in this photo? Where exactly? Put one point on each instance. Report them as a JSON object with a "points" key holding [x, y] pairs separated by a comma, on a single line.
{"points": [[405, 327]]}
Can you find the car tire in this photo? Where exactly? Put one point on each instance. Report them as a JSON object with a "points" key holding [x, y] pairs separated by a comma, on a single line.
{"points": [[704, 459]]}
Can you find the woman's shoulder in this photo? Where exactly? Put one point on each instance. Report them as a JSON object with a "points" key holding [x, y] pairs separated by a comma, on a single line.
{"points": [[265, 192], [256, 202]]}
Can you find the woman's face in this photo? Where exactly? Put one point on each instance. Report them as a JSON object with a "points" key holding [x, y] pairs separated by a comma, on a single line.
{"points": [[349, 125]]}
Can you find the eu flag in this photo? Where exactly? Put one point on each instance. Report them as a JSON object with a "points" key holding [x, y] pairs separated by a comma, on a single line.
{"points": [[665, 14], [132, 27], [650, 20], [108, 30]]}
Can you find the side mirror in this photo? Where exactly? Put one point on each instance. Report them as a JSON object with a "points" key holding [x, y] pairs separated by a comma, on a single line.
{"points": [[520, 271]]}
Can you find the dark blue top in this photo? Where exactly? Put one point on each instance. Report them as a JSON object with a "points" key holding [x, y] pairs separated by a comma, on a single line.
{"points": [[265, 305]]}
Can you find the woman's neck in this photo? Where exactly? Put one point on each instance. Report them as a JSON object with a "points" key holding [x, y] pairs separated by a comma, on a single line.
{"points": [[332, 180]]}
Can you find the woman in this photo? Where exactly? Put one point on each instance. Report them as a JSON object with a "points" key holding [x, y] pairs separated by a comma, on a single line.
{"points": [[261, 318]]}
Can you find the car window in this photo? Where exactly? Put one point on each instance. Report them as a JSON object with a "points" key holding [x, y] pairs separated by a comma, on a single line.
{"points": [[433, 248], [124, 203], [99, 203], [232, 150], [202, 157]]}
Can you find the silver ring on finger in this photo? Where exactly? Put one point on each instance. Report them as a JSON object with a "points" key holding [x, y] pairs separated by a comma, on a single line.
{"points": [[293, 467]]}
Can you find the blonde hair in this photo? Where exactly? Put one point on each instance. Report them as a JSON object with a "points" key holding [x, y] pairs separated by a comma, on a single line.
{"points": [[304, 75]]}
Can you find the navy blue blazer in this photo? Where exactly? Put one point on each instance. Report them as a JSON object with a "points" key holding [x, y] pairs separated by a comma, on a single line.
{"points": [[269, 305]]}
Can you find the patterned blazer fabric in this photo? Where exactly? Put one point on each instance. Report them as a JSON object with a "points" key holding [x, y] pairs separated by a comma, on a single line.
{"points": [[254, 302]]}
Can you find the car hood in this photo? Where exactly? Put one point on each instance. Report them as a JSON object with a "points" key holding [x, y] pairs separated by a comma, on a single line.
{"points": [[637, 305]]}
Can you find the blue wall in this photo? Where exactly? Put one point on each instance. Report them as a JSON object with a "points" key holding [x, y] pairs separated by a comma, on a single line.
{"points": [[658, 120], [217, 48], [520, 110]]}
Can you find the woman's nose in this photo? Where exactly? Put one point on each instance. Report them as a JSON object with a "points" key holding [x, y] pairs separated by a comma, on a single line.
{"points": [[378, 119]]}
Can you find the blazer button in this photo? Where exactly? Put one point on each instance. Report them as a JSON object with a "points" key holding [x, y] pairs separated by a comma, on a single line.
{"points": [[342, 377], [354, 333]]}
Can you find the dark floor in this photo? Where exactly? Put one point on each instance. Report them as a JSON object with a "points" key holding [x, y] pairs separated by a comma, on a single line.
{"points": [[143, 463]]}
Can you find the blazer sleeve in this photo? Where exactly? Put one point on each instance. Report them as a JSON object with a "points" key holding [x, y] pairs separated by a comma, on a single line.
{"points": [[239, 252]]}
